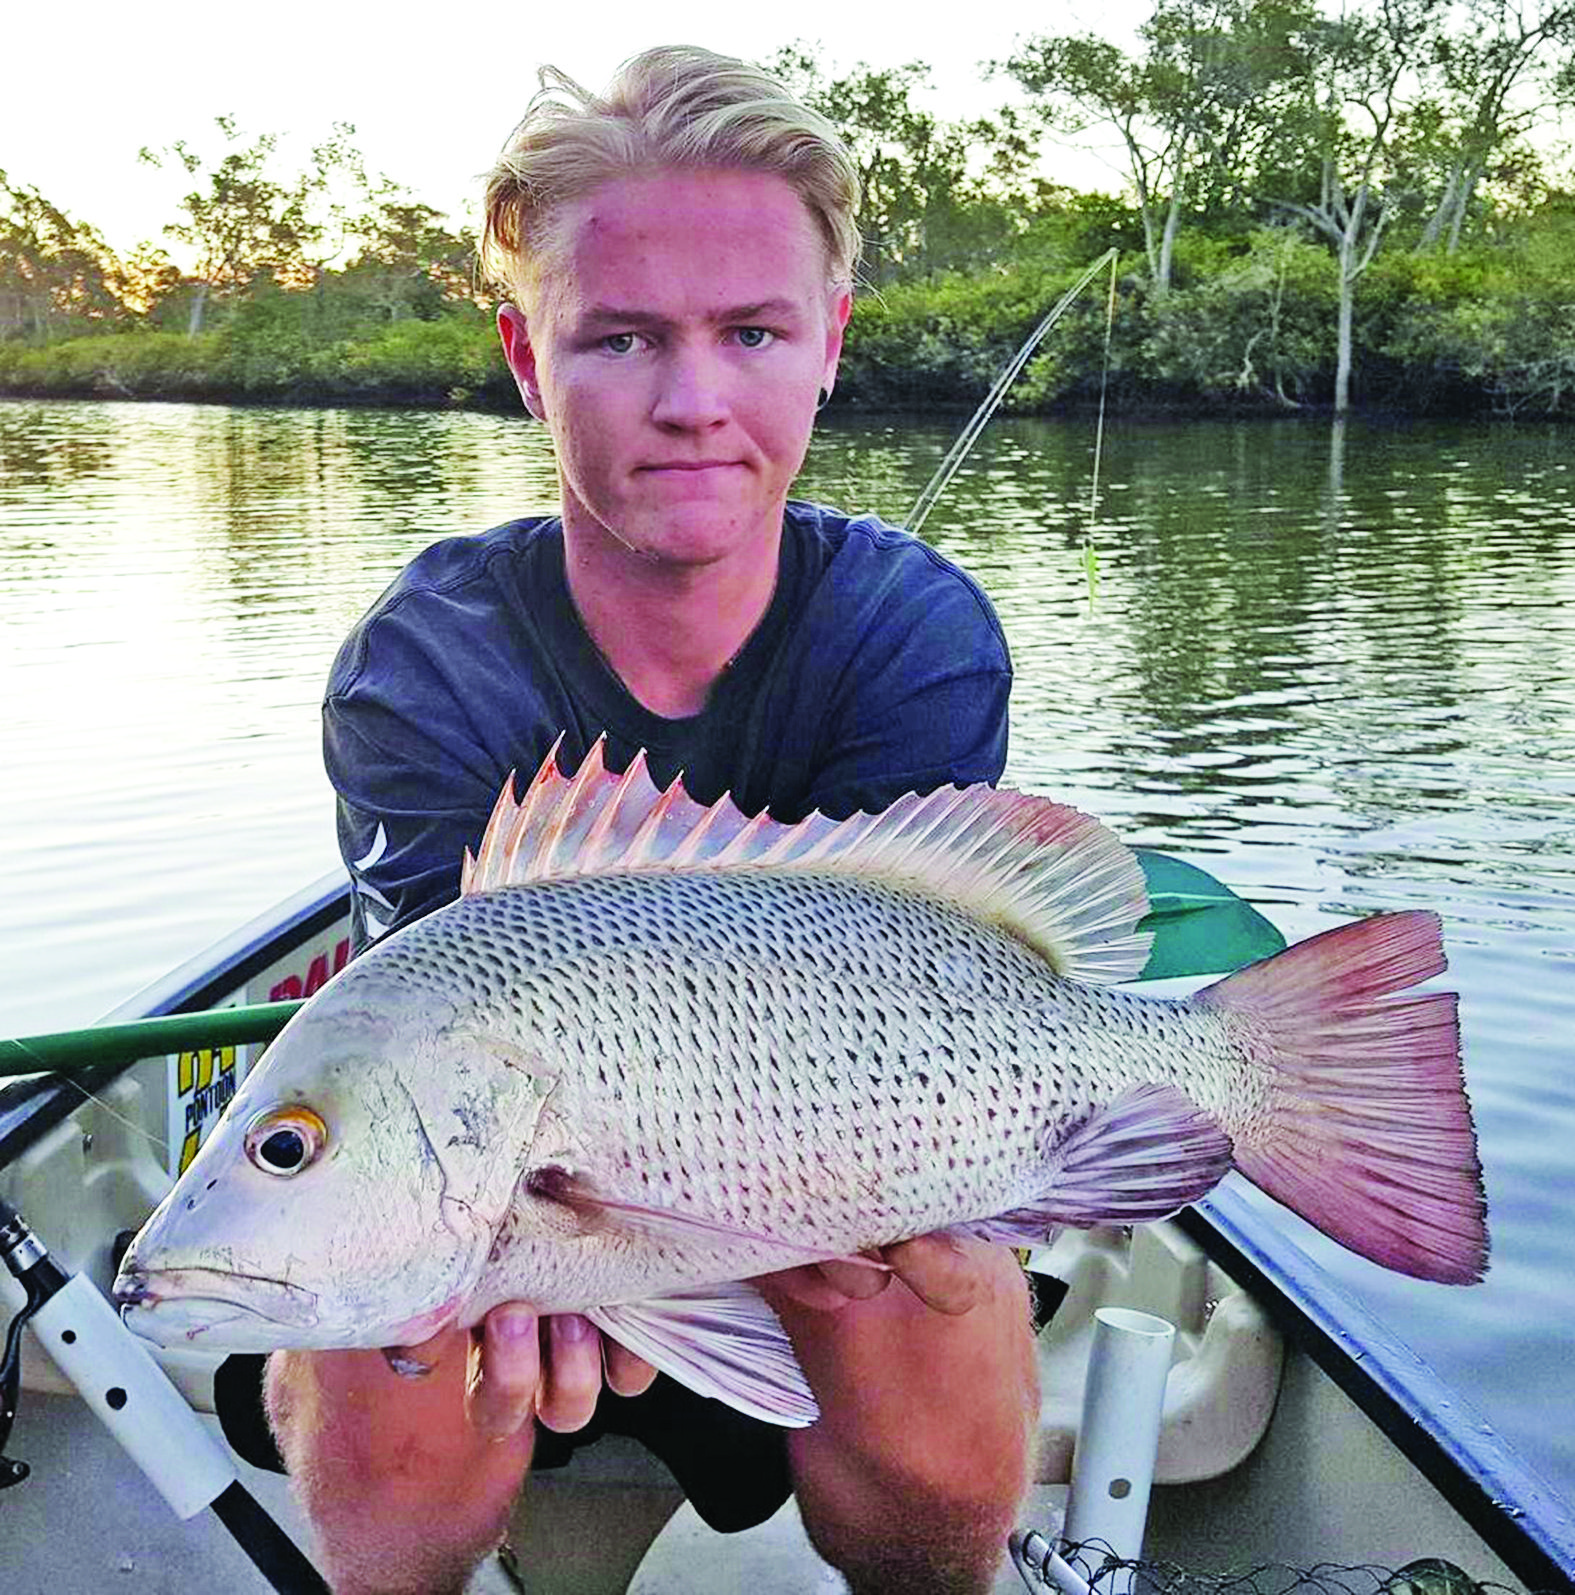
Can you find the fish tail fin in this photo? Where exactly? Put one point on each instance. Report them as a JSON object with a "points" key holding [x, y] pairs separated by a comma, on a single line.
{"points": [[1368, 1130]]}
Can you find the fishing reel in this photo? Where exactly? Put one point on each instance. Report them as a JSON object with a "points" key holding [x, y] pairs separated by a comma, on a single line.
{"points": [[24, 1255]]}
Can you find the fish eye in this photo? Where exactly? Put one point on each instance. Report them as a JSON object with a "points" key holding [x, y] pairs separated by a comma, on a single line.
{"points": [[283, 1141]]}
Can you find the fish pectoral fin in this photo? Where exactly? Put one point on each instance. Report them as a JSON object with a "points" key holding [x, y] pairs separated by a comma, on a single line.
{"points": [[722, 1341], [1141, 1157], [599, 1210]]}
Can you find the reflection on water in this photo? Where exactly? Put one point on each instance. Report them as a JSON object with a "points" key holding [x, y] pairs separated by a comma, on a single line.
{"points": [[1340, 671]]}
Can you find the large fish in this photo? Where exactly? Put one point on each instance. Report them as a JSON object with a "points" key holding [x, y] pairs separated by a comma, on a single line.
{"points": [[655, 1049]]}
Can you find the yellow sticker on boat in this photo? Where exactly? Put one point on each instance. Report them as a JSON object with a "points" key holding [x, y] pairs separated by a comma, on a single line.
{"points": [[203, 1085]]}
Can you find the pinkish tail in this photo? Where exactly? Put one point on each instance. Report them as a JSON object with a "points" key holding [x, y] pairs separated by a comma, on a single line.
{"points": [[1369, 1131]]}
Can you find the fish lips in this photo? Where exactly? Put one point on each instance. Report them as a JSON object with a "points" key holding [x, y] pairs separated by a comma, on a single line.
{"points": [[229, 1311]]}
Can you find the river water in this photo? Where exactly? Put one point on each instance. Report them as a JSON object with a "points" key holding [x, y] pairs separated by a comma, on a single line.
{"points": [[1336, 668]]}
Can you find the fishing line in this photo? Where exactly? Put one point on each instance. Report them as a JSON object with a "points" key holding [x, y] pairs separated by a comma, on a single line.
{"points": [[969, 435], [1090, 552], [119, 1118]]}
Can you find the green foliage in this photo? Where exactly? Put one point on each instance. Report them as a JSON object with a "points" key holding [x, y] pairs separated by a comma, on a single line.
{"points": [[455, 360], [942, 341], [1247, 328], [241, 221], [116, 365], [57, 276], [1493, 324], [936, 195]]}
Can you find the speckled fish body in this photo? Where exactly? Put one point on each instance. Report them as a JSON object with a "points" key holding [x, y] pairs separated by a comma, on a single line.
{"points": [[654, 1050], [828, 1065]]}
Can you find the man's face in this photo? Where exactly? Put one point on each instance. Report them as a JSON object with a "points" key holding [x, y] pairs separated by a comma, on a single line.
{"points": [[676, 343]]}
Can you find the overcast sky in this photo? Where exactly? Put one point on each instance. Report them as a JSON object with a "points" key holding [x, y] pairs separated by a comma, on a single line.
{"points": [[432, 91]]}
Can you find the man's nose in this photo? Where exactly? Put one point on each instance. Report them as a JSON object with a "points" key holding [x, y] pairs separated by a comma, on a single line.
{"points": [[692, 391]]}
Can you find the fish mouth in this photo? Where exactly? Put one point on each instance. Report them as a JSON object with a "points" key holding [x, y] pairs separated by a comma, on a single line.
{"points": [[200, 1298]]}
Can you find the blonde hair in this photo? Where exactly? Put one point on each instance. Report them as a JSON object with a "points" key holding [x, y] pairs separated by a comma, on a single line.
{"points": [[676, 106]]}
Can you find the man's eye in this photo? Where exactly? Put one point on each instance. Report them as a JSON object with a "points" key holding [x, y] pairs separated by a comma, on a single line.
{"points": [[755, 337], [620, 342]]}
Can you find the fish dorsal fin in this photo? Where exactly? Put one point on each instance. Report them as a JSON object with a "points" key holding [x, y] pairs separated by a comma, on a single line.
{"points": [[1051, 875]]}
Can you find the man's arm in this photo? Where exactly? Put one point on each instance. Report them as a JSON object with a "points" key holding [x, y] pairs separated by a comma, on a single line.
{"points": [[408, 805], [922, 678], [949, 732]]}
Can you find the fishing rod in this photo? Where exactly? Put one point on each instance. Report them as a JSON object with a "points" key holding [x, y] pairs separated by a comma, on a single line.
{"points": [[65, 1051], [117, 1377], [969, 435]]}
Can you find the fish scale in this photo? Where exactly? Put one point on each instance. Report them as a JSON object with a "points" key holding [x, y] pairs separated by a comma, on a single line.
{"points": [[655, 1050], [822, 1002]]}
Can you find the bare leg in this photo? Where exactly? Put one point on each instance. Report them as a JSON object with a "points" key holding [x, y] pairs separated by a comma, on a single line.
{"points": [[405, 1496], [913, 1475]]}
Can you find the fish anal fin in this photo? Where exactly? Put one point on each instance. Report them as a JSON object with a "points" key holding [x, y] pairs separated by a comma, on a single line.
{"points": [[1049, 874], [722, 1341], [1139, 1158]]}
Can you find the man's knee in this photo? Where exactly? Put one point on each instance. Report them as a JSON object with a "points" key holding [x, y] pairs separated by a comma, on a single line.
{"points": [[941, 1546]]}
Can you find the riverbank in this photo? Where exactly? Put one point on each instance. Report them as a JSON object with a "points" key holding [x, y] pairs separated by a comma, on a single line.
{"points": [[1253, 334]]}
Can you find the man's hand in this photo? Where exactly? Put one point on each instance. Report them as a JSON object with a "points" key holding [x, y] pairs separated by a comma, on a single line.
{"points": [[946, 1273], [552, 1368], [929, 1401], [408, 1461]]}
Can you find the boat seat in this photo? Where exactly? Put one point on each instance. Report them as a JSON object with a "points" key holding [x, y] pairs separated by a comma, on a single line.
{"points": [[1225, 1376]]}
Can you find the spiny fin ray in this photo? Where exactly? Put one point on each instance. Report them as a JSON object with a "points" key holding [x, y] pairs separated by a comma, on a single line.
{"points": [[1049, 874]]}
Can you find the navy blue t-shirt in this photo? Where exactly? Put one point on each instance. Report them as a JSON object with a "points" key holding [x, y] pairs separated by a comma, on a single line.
{"points": [[879, 668]]}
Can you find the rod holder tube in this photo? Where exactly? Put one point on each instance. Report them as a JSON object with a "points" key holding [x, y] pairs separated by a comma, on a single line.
{"points": [[134, 1397], [1123, 1401]]}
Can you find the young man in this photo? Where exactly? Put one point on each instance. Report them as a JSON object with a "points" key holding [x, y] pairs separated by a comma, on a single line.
{"points": [[679, 253]]}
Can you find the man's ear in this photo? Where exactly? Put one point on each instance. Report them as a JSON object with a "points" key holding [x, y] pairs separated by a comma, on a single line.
{"points": [[841, 309], [514, 334]]}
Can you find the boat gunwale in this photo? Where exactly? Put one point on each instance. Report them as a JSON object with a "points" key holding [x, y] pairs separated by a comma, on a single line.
{"points": [[1511, 1508], [33, 1105]]}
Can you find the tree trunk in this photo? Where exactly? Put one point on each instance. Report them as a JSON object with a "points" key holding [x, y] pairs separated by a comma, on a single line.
{"points": [[1342, 366], [1468, 188], [1150, 243], [1443, 213], [1167, 244], [198, 305]]}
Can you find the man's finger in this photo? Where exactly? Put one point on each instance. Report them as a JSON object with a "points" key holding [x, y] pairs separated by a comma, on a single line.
{"points": [[945, 1272], [856, 1281], [627, 1374], [825, 1287], [572, 1377], [505, 1371], [805, 1286]]}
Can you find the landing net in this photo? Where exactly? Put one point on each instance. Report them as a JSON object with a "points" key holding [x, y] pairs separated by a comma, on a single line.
{"points": [[1090, 1567]]}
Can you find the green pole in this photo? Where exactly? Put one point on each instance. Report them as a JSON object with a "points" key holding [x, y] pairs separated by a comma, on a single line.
{"points": [[67, 1051]]}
